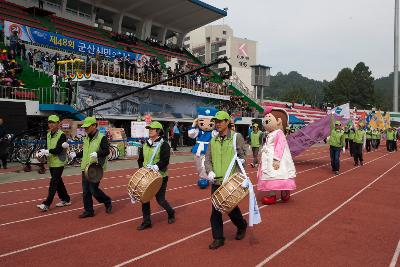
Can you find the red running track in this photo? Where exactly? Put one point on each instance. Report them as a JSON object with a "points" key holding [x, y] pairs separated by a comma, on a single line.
{"points": [[367, 221]]}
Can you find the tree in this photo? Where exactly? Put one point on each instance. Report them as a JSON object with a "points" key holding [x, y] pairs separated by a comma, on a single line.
{"points": [[341, 89], [365, 91]]}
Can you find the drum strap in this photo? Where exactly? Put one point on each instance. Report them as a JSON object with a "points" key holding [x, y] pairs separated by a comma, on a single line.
{"points": [[254, 212], [155, 152]]}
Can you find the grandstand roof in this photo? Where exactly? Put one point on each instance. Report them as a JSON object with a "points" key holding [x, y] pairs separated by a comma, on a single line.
{"points": [[178, 15]]}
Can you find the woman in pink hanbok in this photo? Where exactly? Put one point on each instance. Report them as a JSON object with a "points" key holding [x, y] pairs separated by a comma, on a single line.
{"points": [[276, 171]]}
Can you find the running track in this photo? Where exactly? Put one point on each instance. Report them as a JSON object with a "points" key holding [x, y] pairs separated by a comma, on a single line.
{"points": [[345, 220]]}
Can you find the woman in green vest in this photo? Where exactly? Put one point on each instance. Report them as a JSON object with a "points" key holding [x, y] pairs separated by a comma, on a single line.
{"points": [[336, 144], [155, 155], [359, 144], [255, 143], [95, 148], [368, 135], [56, 158], [217, 160]]}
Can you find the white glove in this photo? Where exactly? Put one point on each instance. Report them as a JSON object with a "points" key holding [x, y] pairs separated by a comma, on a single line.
{"points": [[154, 168], [211, 177], [72, 155], [245, 184], [65, 145], [241, 161], [93, 155], [344, 149], [44, 152]]}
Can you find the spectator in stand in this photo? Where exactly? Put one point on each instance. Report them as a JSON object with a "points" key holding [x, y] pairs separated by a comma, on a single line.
{"points": [[70, 91], [116, 66], [13, 40], [89, 102]]}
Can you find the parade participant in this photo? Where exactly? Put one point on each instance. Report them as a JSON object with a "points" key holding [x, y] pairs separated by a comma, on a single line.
{"points": [[368, 135], [351, 141], [95, 148], [389, 139], [336, 143], [256, 137], [359, 144], [395, 137], [346, 137], [218, 158], [202, 130], [155, 155], [375, 138], [56, 154], [276, 171]]}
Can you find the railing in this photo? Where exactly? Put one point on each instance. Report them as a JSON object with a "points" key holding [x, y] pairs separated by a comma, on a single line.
{"points": [[53, 95], [242, 87]]}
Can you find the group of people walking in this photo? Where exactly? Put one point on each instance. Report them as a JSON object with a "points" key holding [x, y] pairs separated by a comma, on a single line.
{"points": [[355, 139]]}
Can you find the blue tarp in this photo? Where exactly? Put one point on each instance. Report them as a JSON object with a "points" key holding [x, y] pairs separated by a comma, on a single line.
{"points": [[294, 120]]}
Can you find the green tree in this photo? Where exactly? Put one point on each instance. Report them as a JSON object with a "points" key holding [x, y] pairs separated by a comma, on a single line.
{"points": [[341, 89], [364, 82]]}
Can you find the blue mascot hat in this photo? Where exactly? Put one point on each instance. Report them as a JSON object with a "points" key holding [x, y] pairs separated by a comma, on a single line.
{"points": [[206, 112]]}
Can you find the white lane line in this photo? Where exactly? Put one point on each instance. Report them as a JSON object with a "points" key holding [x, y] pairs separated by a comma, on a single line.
{"points": [[395, 256], [70, 210], [116, 170], [169, 245], [283, 248], [207, 229], [91, 231]]}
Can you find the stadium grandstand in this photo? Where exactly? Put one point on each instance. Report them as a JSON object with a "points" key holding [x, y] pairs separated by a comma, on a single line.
{"points": [[64, 56]]}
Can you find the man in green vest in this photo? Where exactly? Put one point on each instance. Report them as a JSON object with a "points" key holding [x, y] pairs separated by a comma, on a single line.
{"points": [[217, 160], [375, 138], [155, 155], [389, 139], [368, 135], [395, 137], [255, 143], [351, 141], [95, 148], [56, 154], [336, 144], [346, 136], [359, 143]]}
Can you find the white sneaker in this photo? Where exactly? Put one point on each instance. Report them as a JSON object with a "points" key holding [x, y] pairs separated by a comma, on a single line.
{"points": [[63, 204], [43, 207]]}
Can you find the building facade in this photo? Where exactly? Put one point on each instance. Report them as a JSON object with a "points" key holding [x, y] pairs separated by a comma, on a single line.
{"points": [[213, 41]]}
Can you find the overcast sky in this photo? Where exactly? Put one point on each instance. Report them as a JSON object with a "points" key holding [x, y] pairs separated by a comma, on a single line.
{"points": [[316, 37]]}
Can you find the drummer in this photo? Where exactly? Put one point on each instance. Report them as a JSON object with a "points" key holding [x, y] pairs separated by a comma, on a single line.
{"points": [[56, 154], [155, 144], [217, 159], [95, 148]]}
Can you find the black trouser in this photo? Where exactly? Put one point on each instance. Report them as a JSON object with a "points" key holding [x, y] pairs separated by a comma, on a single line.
{"points": [[160, 197], [389, 145], [351, 144], [217, 224], [368, 145], [358, 153], [395, 145], [255, 154], [92, 189], [4, 160], [175, 141], [347, 143], [335, 155], [56, 185], [378, 142]]}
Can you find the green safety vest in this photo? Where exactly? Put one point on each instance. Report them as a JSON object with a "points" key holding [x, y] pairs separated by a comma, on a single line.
{"points": [[255, 139], [336, 138], [369, 134], [346, 135], [359, 136], [54, 161], [376, 135], [90, 146], [222, 153], [389, 135], [148, 152], [351, 135]]}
